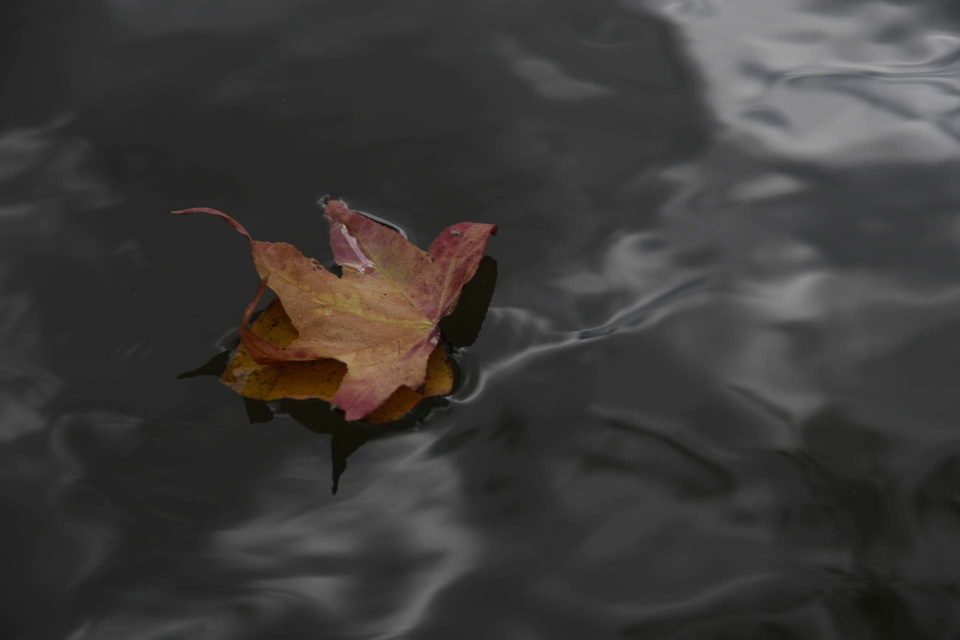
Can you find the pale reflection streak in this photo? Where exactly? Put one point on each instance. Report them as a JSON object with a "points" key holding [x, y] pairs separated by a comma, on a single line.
{"points": [[790, 61], [545, 77], [346, 532], [644, 313]]}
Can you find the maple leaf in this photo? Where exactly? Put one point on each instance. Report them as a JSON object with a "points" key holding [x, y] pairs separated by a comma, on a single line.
{"points": [[380, 318]]}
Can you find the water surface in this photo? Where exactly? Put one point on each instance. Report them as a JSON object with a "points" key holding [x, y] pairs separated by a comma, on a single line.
{"points": [[714, 394]]}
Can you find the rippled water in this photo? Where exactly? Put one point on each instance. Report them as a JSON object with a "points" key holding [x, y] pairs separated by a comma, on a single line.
{"points": [[714, 396]]}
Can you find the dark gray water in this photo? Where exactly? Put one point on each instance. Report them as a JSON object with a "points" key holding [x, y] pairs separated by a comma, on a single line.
{"points": [[715, 395]]}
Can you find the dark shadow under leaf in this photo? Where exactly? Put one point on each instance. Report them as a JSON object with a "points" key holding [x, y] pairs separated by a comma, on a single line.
{"points": [[462, 327]]}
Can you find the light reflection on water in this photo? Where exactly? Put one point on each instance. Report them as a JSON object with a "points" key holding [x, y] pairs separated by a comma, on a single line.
{"points": [[713, 396]]}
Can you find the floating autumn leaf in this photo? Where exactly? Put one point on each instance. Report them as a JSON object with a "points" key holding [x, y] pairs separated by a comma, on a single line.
{"points": [[379, 319]]}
